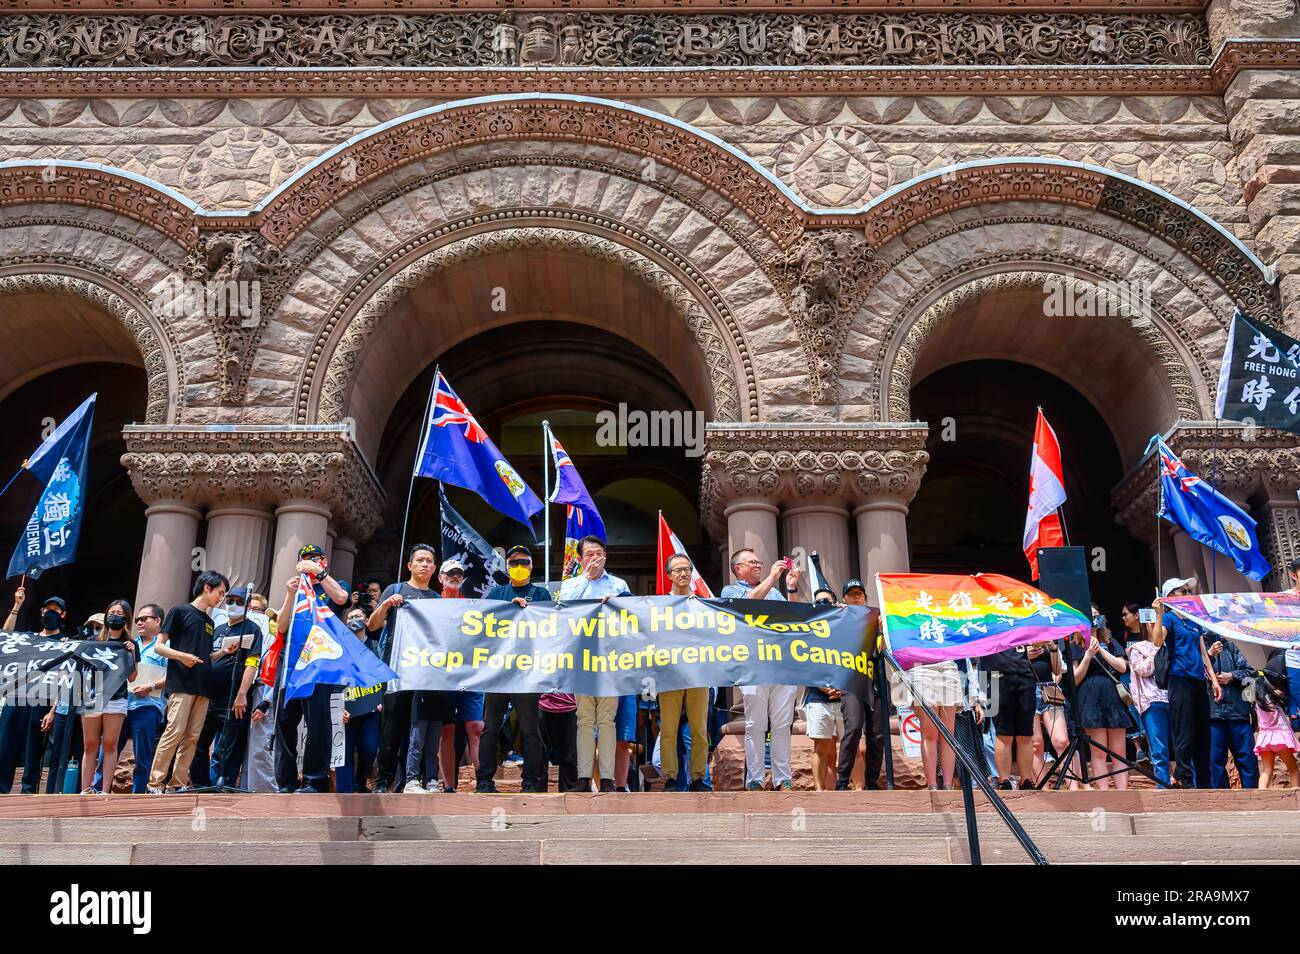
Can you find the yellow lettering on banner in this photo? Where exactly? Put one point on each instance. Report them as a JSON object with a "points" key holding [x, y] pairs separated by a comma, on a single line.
{"points": [[663, 657], [690, 655], [471, 624]]}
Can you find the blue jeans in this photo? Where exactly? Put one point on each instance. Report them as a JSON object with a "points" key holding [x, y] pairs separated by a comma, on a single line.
{"points": [[1156, 722], [143, 725], [360, 747], [1237, 737]]}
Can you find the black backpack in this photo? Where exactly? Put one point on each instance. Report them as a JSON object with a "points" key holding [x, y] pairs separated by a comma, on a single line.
{"points": [[1163, 661]]}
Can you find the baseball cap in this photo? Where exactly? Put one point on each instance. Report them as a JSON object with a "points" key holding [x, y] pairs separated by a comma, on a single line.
{"points": [[1174, 583], [519, 548], [310, 550], [452, 564], [57, 601], [854, 585], [96, 618], [240, 592]]}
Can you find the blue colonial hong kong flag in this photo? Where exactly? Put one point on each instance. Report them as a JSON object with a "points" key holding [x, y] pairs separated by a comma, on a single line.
{"points": [[456, 450], [323, 650], [50, 536], [582, 518], [1207, 516]]}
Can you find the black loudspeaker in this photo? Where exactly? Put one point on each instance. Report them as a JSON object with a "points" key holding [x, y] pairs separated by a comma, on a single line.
{"points": [[1063, 574]]}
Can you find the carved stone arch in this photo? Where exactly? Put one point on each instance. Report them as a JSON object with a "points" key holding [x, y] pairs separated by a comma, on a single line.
{"points": [[324, 398], [161, 369], [897, 368]]}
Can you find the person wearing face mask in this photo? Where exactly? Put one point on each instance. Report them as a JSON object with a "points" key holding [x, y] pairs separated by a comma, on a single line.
{"points": [[23, 728], [225, 735], [520, 591], [360, 732], [61, 722], [101, 723]]}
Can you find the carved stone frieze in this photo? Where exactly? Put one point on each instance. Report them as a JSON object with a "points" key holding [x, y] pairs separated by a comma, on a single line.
{"points": [[245, 278], [622, 39], [823, 279], [846, 463], [256, 465], [1239, 460]]}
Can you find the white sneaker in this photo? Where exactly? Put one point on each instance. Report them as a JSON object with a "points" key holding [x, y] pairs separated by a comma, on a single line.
{"points": [[434, 788], [413, 787]]}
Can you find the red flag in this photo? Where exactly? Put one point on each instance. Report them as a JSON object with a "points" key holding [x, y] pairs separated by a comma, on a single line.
{"points": [[668, 545], [1046, 494]]}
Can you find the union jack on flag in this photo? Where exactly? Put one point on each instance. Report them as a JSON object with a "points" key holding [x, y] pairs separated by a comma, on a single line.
{"points": [[322, 650], [456, 450]]}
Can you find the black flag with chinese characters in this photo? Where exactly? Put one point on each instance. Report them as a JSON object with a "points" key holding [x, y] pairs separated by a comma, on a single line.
{"points": [[1259, 382], [484, 567]]}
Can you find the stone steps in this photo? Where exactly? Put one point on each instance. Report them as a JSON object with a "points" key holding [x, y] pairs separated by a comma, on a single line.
{"points": [[721, 828]]}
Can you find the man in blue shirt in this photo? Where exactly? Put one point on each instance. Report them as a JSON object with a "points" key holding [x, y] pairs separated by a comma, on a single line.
{"points": [[146, 705], [596, 714], [1189, 694], [765, 706]]}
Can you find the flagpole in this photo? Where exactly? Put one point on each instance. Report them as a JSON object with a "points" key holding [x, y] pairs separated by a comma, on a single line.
{"points": [[13, 478], [546, 502], [1214, 480], [410, 487]]}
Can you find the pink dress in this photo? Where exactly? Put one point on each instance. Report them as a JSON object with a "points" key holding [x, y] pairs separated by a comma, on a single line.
{"points": [[1274, 733]]}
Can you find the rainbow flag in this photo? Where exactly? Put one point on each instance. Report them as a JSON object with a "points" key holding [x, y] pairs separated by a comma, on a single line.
{"points": [[930, 617]]}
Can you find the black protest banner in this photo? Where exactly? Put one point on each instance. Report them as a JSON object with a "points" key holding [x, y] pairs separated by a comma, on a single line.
{"points": [[362, 700], [631, 645], [1259, 380], [484, 567], [36, 671]]}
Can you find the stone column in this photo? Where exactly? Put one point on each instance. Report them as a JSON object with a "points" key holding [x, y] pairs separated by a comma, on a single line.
{"points": [[822, 528], [343, 559], [882, 541], [166, 568], [751, 524], [297, 523], [1190, 562], [239, 544]]}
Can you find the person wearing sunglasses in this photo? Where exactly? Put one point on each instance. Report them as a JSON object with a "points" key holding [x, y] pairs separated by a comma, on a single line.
{"points": [[146, 703]]}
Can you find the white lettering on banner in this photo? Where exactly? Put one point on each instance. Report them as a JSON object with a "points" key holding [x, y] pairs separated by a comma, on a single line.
{"points": [[1268, 369], [1262, 347], [1257, 392]]}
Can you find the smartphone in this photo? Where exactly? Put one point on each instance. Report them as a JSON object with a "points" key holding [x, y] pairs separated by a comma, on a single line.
{"points": [[789, 564], [1146, 615]]}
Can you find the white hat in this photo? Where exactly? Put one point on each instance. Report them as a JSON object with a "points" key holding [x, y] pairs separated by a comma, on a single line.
{"points": [[1174, 583], [451, 564]]}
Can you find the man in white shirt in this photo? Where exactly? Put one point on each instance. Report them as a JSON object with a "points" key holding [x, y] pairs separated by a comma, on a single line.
{"points": [[596, 714], [765, 706]]}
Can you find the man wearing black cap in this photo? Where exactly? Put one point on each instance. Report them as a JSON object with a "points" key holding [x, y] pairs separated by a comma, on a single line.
{"points": [[521, 590], [23, 728], [861, 713], [315, 709]]}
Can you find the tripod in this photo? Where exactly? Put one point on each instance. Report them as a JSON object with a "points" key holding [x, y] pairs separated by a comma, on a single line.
{"points": [[1079, 741]]}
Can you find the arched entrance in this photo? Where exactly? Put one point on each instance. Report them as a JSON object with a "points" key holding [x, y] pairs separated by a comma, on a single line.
{"points": [[978, 379], [526, 334], [58, 349]]}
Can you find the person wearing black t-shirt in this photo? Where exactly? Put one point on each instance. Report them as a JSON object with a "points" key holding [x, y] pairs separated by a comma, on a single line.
{"points": [[225, 735], [1101, 712], [1014, 719], [186, 643], [315, 708], [395, 727]]}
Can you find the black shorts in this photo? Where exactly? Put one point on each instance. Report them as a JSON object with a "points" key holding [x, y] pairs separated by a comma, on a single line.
{"points": [[1016, 705], [433, 706]]}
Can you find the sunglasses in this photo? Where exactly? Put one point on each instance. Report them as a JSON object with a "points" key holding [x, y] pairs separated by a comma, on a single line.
{"points": [[145, 619], [521, 562]]}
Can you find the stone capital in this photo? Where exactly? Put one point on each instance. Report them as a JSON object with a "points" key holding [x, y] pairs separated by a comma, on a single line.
{"points": [[846, 465], [256, 466], [1239, 460]]}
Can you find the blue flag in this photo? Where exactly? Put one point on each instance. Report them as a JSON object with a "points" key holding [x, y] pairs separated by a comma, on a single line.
{"points": [[323, 650], [1207, 516], [582, 518], [51, 535], [457, 451]]}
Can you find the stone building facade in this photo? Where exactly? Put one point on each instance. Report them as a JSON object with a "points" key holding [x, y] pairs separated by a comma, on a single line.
{"points": [[796, 212]]}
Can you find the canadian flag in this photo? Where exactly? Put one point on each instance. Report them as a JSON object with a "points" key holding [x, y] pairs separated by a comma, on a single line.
{"points": [[668, 545], [1046, 494]]}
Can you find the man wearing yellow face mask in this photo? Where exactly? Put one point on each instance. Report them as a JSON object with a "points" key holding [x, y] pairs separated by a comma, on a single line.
{"points": [[522, 591]]}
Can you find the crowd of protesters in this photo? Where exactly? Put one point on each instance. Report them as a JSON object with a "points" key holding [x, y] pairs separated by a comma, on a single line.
{"points": [[201, 714]]}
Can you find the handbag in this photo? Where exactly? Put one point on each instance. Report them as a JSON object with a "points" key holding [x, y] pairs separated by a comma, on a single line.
{"points": [[1124, 695], [1053, 695], [1164, 659]]}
